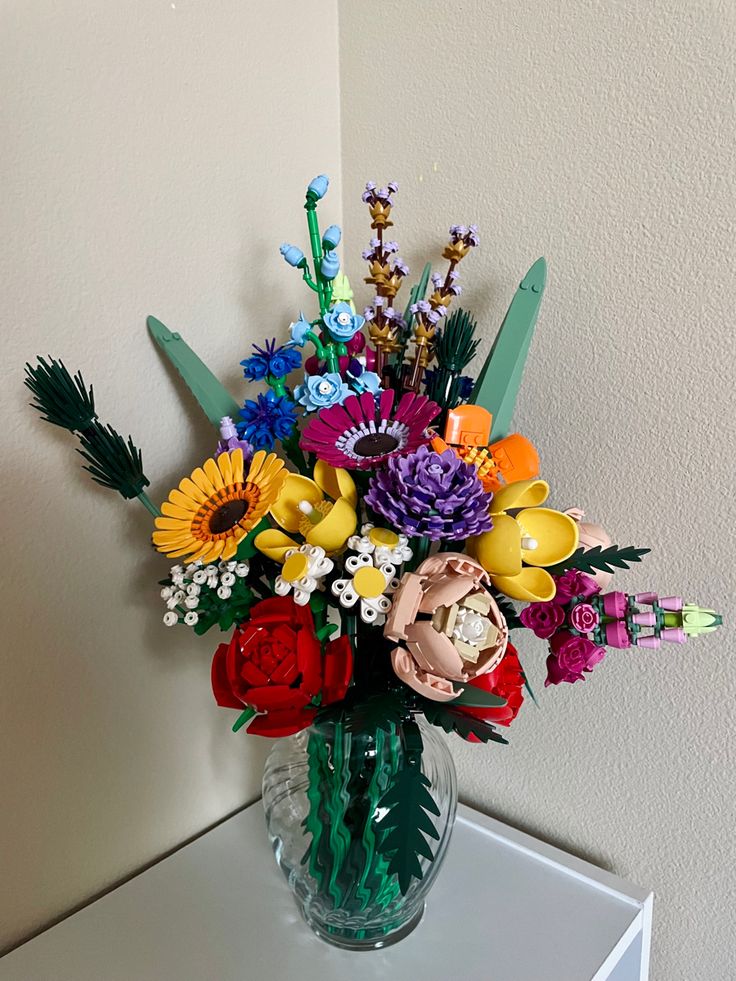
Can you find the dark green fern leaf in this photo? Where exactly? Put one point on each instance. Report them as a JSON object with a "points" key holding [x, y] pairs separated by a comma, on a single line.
{"points": [[112, 462], [406, 807], [508, 610], [384, 711], [462, 724], [601, 559], [62, 400]]}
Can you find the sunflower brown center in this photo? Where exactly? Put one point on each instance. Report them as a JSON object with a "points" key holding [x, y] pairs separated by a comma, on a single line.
{"points": [[375, 444], [227, 515]]}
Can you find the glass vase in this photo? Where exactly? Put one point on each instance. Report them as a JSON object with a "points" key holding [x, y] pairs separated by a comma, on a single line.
{"points": [[322, 794]]}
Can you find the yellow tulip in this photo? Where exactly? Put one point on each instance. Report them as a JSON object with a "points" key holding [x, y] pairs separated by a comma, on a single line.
{"points": [[517, 545]]}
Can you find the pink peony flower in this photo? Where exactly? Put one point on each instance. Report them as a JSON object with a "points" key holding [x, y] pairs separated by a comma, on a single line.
{"points": [[570, 656], [543, 618], [573, 584], [584, 618]]}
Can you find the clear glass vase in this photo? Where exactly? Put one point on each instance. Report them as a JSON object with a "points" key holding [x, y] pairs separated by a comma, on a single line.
{"points": [[322, 793]]}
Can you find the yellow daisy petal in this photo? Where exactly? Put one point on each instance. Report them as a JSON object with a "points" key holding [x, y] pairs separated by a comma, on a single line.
{"points": [[173, 524], [236, 463], [189, 489], [226, 469], [174, 511], [183, 501], [255, 466], [213, 473], [200, 478]]}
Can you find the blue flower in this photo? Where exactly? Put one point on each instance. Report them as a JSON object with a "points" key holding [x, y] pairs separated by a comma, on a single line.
{"points": [[342, 323], [292, 254], [465, 387], [321, 391], [317, 188], [299, 330], [330, 265], [365, 381], [269, 418], [331, 237], [274, 361]]}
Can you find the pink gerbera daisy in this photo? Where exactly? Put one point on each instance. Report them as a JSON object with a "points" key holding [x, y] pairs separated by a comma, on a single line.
{"points": [[363, 432]]}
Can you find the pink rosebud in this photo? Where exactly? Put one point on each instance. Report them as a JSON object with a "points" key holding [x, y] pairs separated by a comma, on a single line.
{"points": [[575, 585], [584, 618], [542, 618], [570, 656]]}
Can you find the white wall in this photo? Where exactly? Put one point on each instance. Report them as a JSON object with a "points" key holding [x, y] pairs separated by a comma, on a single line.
{"points": [[154, 156], [602, 136]]}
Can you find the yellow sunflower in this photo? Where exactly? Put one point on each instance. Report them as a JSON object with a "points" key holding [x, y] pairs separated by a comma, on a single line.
{"points": [[210, 513]]}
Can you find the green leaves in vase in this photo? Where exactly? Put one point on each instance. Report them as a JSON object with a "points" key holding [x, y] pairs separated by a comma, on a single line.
{"points": [[406, 808]]}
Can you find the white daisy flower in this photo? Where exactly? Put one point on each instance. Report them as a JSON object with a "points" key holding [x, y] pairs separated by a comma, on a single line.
{"points": [[385, 545], [191, 619], [303, 570], [369, 583], [171, 619]]}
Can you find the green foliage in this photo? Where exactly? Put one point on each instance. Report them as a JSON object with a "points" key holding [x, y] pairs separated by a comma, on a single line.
{"points": [[464, 725], [247, 548], [112, 462], [600, 559], [62, 400], [456, 343], [384, 711], [478, 698], [406, 807]]}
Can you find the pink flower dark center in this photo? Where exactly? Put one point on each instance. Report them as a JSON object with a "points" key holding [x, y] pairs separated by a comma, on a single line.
{"points": [[375, 444]]}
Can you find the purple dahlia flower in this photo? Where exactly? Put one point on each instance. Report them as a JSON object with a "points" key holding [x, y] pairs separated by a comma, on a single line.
{"points": [[435, 495]]}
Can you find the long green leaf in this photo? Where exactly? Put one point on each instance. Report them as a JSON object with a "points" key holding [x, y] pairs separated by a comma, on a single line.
{"points": [[498, 384], [212, 396]]}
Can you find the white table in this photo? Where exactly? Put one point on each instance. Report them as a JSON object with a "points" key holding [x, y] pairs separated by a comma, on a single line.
{"points": [[505, 907]]}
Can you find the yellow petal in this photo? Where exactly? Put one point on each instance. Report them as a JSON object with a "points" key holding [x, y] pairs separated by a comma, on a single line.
{"points": [[226, 469], [520, 494], [531, 585], [335, 482], [183, 501], [173, 524], [286, 507], [255, 466], [174, 511], [203, 482], [236, 463], [231, 547], [189, 489], [274, 544], [499, 550], [335, 528], [556, 535], [213, 473], [184, 550], [167, 537]]}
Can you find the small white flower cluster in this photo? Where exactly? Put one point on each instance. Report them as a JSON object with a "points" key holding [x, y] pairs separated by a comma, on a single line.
{"points": [[182, 597]]}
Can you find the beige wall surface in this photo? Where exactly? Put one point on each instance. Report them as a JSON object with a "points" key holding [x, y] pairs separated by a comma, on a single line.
{"points": [[600, 135], [154, 156], [154, 153]]}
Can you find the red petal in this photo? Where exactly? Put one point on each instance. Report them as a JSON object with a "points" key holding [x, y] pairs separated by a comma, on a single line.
{"points": [[386, 403], [221, 687], [278, 724], [277, 697], [338, 669]]}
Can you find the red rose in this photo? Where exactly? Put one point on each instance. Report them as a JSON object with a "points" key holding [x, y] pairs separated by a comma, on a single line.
{"points": [[274, 664], [505, 680]]}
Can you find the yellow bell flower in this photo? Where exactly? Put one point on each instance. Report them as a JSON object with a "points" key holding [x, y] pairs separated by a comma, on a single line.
{"points": [[513, 551], [303, 507]]}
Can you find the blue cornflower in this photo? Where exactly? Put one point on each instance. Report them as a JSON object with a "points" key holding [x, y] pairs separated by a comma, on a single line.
{"points": [[274, 361], [342, 323], [269, 418], [321, 391]]}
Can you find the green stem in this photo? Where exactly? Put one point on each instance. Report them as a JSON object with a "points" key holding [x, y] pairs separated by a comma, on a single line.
{"points": [[277, 384], [316, 245], [148, 504], [319, 347], [308, 279]]}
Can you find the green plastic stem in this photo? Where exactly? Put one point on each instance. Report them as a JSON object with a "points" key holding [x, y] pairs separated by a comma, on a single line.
{"points": [[148, 504], [316, 245]]}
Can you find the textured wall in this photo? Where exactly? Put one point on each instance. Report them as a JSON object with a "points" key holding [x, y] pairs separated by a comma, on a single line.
{"points": [[154, 156], [602, 136]]}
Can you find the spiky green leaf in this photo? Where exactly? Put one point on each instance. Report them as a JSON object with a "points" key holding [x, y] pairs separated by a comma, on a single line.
{"points": [[112, 461], [61, 399], [464, 725], [405, 808], [599, 559]]}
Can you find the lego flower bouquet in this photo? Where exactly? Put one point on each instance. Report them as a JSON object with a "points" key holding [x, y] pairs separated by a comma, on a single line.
{"points": [[367, 536]]}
